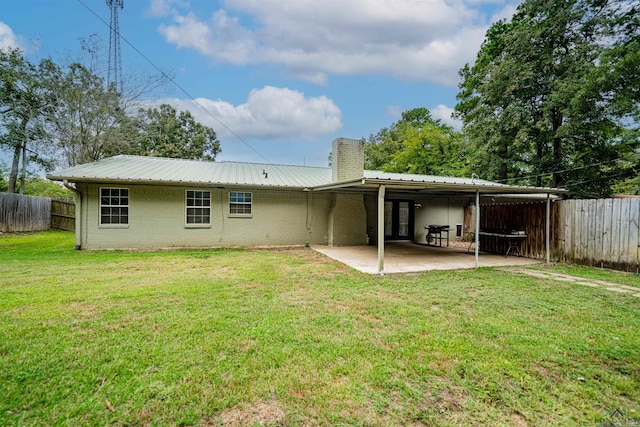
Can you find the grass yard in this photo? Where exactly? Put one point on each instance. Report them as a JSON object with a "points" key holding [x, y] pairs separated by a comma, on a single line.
{"points": [[233, 337]]}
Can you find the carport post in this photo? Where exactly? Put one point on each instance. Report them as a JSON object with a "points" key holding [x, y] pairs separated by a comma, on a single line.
{"points": [[548, 226], [477, 224], [381, 191]]}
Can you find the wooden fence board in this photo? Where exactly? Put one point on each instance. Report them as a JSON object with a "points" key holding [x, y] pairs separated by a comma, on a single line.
{"points": [[625, 213], [634, 232], [606, 228], [592, 249], [577, 250], [615, 233], [598, 250], [568, 210]]}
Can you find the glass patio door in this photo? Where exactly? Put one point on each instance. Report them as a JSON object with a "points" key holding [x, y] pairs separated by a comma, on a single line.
{"points": [[398, 220]]}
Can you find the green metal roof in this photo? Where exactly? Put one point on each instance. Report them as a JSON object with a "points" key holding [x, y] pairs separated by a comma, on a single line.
{"points": [[157, 170]]}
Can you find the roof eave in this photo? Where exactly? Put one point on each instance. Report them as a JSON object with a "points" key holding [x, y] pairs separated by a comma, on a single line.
{"points": [[168, 182], [496, 188]]}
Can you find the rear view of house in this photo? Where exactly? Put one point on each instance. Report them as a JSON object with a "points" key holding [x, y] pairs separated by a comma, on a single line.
{"points": [[131, 202]]}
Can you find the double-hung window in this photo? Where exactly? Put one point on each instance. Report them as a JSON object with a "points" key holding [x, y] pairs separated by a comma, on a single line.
{"points": [[240, 203], [198, 208], [114, 206]]}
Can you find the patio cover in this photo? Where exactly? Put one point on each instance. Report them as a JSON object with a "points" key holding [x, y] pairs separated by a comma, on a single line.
{"points": [[382, 182]]}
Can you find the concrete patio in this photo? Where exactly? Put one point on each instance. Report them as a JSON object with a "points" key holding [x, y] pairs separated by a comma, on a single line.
{"points": [[408, 257]]}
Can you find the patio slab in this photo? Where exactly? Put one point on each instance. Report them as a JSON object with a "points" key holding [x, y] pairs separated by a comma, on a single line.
{"points": [[408, 257]]}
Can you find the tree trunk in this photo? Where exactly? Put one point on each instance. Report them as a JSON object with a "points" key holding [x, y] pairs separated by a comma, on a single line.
{"points": [[17, 151], [538, 170], [557, 150], [504, 167], [13, 175], [23, 173]]}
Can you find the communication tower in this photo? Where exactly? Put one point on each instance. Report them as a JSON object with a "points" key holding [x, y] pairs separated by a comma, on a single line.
{"points": [[114, 73]]}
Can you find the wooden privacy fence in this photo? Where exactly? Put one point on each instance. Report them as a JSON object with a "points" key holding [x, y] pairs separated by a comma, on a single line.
{"points": [[596, 232], [63, 214], [29, 213], [506, 218], [24, 213], [602, 232]]}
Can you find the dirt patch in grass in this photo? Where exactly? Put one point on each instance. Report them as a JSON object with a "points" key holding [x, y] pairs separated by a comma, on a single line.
{"points": [[518, 420], [449, 399], [83, 308], [265, 413]]}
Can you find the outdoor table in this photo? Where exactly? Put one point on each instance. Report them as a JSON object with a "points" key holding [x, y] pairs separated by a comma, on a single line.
{"points": [[513, 239]]}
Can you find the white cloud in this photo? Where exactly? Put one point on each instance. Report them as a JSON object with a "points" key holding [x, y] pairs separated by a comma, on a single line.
{"points": [[410, 39], [444, 113], [8, 39], [161, 8], [269, 113], [394, 111], [506, 12]]}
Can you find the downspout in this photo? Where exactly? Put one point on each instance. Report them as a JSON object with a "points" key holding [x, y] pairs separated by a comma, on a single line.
{"points": [[78, 200]]}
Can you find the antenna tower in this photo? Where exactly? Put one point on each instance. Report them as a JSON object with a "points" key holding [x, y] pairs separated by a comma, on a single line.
{"points": [[114, 73]]}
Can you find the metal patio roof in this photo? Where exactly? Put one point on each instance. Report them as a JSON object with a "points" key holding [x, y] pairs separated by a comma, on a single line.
{"points": [[157, 170]]}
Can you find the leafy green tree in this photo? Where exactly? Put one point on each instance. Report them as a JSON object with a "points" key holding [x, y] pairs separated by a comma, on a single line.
{"points": [[419, 144], [86, 122], [165, 132], [22, 103], [35, 186], [4, 185], [543, 101]]}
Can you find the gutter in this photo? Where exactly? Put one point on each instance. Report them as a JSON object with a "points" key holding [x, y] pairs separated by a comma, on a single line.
{"points": [[78, 214], [497, 188], [179, 183]]}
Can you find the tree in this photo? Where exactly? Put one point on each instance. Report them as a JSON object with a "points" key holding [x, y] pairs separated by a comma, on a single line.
{"points": [[4, 185], [419, 144], [165, 132], [86, 122], [542, 102], [35, 186], [22, 102]]}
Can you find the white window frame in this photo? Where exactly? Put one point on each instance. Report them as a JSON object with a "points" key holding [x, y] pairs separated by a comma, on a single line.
{"points": [[112, 206], [233, 202], [198, 203]]}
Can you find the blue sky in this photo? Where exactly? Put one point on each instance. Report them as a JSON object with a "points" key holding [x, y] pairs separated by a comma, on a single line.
{"points": [[287, 77]]}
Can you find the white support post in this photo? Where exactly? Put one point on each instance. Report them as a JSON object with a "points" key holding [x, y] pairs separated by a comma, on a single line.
{"points": [[477, 225], [548, 230], [381, 191]]}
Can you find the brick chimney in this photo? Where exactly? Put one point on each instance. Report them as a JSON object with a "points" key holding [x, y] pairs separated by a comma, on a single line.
{"points": [[347, 159]]}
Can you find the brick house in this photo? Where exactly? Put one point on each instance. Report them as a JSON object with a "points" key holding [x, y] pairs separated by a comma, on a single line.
{"points": [[145, 202]]}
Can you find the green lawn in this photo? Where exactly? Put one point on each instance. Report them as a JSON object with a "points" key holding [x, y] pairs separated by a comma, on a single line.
{"points": [[233, 337]]}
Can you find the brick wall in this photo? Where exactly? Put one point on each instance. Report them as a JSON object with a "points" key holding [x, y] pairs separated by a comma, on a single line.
{"points": [[347, 159], [157, 219], [347, 220]]}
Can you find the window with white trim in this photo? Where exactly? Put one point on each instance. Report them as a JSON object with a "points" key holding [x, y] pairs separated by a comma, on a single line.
{"points": [[198, 208], [114, 206], [240, 203]]}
